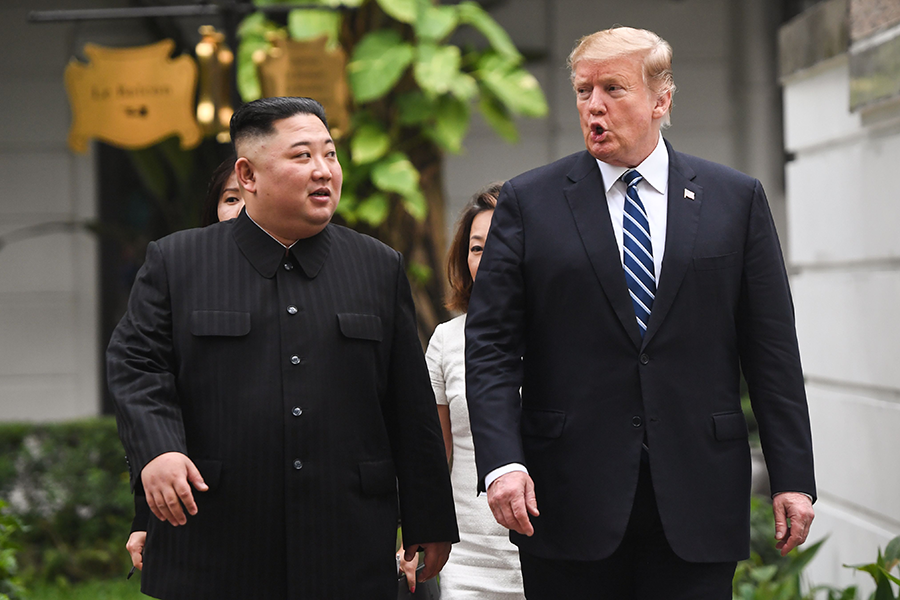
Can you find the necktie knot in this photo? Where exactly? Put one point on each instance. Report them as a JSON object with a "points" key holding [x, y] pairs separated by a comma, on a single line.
{"points": [[632, 177]]}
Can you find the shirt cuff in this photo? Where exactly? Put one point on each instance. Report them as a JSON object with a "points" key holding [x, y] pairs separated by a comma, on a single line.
{"points": [[788, 491], [499, 471]]}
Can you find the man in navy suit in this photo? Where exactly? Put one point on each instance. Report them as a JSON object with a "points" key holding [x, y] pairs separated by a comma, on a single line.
{"points": [[624, 289]]}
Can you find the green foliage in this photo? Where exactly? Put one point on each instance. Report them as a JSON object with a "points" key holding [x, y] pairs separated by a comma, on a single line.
{"points": [[377, 64], [410, 86], [881, 569], [103, 589], [68, 484], [10, 583], [767, 575]]}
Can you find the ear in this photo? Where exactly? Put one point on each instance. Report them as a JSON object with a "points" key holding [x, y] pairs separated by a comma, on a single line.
{"points": [[246, 175], [663, 102]]}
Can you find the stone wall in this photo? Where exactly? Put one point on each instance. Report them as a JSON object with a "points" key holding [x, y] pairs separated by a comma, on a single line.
{"points": [[844, 254]]}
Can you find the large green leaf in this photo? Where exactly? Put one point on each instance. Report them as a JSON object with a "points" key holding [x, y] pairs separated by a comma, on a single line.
{"points": [[892, 551], [404, 11], [498, 117], [374, 209], [395, 173], [378, 62], [311, 24], [435, 67], [451, 123], [883, 590], [436, 22], [515, 87], [463, 86], [416, 205], [369, 143], [414, 108], [472, 14]]}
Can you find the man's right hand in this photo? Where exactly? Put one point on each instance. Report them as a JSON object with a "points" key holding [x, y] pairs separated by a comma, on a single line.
{"points": [[167, 483], [511, 498]]}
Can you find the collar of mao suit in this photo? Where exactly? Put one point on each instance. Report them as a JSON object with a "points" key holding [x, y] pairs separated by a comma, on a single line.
{"points": [[266, 253]]}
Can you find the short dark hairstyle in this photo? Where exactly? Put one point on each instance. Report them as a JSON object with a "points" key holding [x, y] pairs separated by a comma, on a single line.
{"points": [[256, 118], [458, 258], [217, 183]]}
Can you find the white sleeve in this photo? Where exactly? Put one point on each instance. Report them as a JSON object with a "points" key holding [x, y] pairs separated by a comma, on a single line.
{"points": [[434, 357]]}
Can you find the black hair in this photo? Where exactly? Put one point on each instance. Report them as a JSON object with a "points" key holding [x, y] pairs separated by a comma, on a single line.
{"points": [[217, 183], [256, 118]]}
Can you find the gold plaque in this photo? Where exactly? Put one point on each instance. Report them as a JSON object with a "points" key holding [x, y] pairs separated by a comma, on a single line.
{"points": [[293, 68], [132, 97]]}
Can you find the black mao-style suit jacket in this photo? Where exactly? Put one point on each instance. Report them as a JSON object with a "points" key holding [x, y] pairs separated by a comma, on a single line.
{"points": [[297, 385], [550, 311]]}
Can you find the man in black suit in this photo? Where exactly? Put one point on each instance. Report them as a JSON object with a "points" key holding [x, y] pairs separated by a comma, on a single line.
{"points": [[623, 289], [272, 363]]}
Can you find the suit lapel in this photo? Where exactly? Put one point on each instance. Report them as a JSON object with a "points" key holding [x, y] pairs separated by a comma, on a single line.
{"points": [[587, 200], [682, 220]]}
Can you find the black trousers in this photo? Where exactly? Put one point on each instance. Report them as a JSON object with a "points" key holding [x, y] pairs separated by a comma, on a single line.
{"points": [[644, 567]]}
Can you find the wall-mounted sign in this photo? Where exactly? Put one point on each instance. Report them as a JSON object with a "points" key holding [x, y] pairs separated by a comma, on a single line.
{"points": [[132, 97], [293, 68]]}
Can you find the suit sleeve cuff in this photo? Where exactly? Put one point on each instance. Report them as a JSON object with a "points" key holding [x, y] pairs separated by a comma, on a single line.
{"points": [[499, 471]]}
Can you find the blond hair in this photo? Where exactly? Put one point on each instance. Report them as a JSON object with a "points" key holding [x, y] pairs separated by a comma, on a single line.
{"points": [[621, 41]]}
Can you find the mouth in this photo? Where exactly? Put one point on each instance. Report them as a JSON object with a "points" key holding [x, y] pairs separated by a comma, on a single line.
{"points": [[598, 132], [322, 193]]}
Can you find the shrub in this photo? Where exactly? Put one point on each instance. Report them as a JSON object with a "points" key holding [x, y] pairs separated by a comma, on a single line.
{"points": [[68, 484], [10, 585]]}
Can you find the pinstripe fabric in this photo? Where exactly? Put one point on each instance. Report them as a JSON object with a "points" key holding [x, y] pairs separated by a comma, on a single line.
{"points": [[224, 338]]}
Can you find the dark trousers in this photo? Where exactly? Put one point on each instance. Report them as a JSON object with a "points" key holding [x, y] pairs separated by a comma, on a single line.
{"points": [[644, 567]]}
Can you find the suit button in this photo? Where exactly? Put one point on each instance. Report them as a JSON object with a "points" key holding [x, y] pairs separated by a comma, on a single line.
{"points": [[295, 360], [297, 411], [644, 359], [298, 465], [636, 421], [288, 266], [292, 310]]}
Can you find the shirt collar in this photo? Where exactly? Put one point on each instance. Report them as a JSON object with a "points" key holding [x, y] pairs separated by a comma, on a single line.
{"points": [[266, 253], [654, 169]]}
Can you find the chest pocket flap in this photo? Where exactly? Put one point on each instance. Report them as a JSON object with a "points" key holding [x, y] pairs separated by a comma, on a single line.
{"points": [[362, 327], [220, 322]]}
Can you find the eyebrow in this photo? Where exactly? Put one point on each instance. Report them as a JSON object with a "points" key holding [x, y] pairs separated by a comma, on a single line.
{"points": [[305, 143]]}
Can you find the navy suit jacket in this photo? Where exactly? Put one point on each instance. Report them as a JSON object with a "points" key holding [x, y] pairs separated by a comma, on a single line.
{"points": [[550, 312]]}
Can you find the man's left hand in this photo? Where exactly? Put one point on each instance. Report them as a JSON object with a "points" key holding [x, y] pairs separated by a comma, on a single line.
{"points": [[436, 555], [798, 508]]}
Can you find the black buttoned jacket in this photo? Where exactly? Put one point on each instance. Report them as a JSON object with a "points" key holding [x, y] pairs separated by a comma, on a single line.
{"points": [[297, 385]]}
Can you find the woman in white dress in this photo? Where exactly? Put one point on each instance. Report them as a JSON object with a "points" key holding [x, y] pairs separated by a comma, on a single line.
{"points": [[484, 564]]}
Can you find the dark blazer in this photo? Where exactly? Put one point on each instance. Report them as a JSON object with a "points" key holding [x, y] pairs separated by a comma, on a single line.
{"points": [[550, 312], [297, 385]]}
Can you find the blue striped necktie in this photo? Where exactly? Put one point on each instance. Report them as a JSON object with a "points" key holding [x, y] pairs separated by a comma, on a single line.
{"points": [[637, 254]]}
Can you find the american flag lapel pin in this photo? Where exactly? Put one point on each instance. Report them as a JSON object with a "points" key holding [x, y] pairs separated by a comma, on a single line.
{"points": [[688, 194]]}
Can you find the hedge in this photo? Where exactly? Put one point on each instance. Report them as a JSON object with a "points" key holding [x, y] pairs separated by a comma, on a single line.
{"points": [[68, 484]]}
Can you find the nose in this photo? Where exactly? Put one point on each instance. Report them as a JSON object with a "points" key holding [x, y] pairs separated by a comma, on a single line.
{"points": [[596, 103], [321, 169]]}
